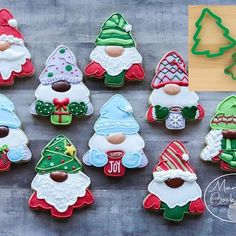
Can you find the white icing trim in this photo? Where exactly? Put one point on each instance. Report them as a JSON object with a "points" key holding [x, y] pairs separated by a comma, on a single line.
{"points": [[128, 28], [161, 176], [185, 157], [115, 65], [11, 39], [213, 145], [12, 23]]}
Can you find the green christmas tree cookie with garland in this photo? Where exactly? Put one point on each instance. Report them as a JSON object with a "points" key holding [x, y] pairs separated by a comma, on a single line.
{"points": [[60, 185]]}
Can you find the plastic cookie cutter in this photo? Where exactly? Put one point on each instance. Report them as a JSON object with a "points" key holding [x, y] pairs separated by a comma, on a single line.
{"points": [[197, 40], [229, 70]]}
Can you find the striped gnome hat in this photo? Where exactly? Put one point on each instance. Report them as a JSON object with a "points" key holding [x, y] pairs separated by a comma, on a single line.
{"points": [[174, 163], [115, 32], [171, 69]]}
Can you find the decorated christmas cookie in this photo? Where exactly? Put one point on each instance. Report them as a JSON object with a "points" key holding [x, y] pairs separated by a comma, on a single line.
{"points": [[221, 140], [115, 58], [13, 141], [61, 94], [170, 100], [15, 59], [116, 144], [174, 189], [60, 186]]}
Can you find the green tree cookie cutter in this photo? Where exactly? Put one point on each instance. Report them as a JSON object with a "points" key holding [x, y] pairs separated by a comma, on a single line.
{"points": [[229, 69], [197, 40]]}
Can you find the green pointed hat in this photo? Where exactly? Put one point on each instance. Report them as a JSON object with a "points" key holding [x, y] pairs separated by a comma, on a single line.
{"points": [[58, 155], [225, 117], [115, 32]]}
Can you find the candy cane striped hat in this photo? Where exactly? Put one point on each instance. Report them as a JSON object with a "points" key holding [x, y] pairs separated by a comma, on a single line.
{"points": [[174, 163]]}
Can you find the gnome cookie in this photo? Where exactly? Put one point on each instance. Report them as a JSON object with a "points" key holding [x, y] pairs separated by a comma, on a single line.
{"points": [[60, 185], [116, 144], [171, 101], [13, 141], [115, 57], [15, 59], [61, 94], [173, 189], [221, 140]]}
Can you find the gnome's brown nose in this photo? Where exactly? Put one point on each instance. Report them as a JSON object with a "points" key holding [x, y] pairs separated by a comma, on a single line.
{"points": [[4, 131], [61, 86], [114, 51], [171, 89], [4, 45], [58, 176], [116, 138], [175, 182]]}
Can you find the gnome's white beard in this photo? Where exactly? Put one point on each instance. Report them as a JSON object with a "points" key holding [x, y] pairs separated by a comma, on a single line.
{"points": [[77, 93], [15, 138], [61, 195], [184, 98], [12, 59], [132, 143], [173, 197], [115, 65]]}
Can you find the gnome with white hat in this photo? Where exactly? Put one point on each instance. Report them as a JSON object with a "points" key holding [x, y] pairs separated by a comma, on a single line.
{"points": [[13, 141], [15, 59], [116, 144], [115, 57], [62, 94], [174, 189], [171, 99]]}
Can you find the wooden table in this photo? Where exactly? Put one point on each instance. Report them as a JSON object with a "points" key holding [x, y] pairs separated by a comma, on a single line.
{"points": [[158, 26]]}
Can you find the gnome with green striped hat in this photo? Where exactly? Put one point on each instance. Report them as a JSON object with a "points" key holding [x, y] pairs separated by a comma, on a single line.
{"points": [[174, 189], [115, 57], [221, 140], [60, 185]]}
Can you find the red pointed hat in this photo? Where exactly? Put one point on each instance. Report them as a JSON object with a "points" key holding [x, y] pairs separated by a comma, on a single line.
{"points": [[171, 69], [8, 28], [174, 163]]}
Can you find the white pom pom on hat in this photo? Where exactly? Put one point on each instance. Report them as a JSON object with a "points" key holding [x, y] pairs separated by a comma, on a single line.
{"points": [[12, 23], [128, 28], [185, 157]]}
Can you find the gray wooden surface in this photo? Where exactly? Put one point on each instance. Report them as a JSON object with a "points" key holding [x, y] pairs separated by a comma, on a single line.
{"points": [[158, 26]]}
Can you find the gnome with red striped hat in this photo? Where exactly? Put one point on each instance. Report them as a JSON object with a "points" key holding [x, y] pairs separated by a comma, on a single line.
{"points": [[171, 100], [15, 59], [174, 189]]}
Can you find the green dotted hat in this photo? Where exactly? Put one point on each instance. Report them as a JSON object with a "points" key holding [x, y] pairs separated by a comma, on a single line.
{"points": [[225, 117], [61, 65], [115, 32], [59, 155]]}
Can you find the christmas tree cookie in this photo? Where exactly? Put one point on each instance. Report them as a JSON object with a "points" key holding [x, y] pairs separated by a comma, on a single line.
{"points": [[61, 94], [221, 140], [199, 48], [115, 57], [170, 100], [116, 144], [174, 189], [13, 141], [60, 186], [15, 59]]}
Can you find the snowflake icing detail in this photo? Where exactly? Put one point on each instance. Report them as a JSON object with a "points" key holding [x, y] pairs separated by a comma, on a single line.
{"points": [[176, 120]]}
